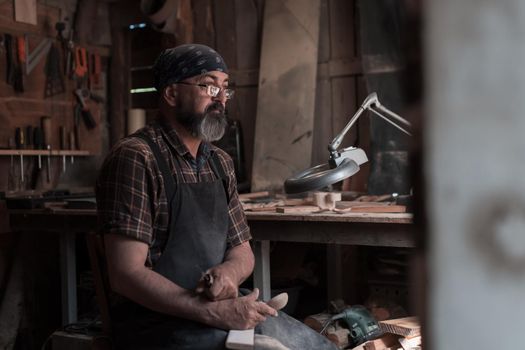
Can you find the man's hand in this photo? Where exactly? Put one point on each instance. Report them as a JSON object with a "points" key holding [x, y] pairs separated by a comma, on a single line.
{"points": [[240, 313], [218, 283]]}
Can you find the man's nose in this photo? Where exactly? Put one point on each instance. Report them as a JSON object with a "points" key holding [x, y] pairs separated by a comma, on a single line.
{"points": [[221, 97]]}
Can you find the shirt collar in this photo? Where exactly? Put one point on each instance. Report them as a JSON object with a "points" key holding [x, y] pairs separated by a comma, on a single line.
{"points": [[175, 142]]}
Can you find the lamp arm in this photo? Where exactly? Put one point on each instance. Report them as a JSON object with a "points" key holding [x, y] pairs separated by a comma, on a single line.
{"points": [[392, 115], [332, 147], [369, 103]]}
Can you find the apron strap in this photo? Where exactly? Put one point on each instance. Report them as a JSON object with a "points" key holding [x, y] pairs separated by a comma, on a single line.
{"points": [[218, 170], [169, 183]]}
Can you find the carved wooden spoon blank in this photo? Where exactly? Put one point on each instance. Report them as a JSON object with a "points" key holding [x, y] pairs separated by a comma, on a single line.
{"points": [[279, 301]]}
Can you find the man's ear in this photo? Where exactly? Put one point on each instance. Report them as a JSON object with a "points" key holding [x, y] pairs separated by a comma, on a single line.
{"points": [[170, 95]]}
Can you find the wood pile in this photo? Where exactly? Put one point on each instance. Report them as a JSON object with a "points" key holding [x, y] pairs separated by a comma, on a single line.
{"points": [[399, 334]]}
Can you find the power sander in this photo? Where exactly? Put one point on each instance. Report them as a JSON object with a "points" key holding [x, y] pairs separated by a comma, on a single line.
{"points": [[362, 325]]}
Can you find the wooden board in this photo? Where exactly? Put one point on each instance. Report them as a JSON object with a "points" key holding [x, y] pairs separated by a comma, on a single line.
{"points": [[252, 195], [408, 326], [287, 83], [369, 207], [298, 209]]}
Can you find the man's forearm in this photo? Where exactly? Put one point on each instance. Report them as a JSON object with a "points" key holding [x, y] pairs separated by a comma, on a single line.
{"points": [[157, 293], [240, 261]]}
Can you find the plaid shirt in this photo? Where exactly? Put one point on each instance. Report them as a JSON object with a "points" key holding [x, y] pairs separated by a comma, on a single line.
{"points": [[131, 199]]}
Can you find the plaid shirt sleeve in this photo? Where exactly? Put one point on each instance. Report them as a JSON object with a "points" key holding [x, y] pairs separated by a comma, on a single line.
{"points": [[125, 191], [238, 230]]}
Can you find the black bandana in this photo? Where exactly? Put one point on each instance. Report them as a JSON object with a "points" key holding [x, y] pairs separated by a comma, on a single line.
{"points": [[186, 61]]}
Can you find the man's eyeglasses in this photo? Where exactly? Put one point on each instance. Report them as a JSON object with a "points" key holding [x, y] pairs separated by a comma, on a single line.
{"points": [[212, 90]]}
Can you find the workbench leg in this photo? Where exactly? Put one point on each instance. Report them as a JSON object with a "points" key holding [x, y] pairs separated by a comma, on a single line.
{"points": [[68, 276], [261, 273], [334, 271]]}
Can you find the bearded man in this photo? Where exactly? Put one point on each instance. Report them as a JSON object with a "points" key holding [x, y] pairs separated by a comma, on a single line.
{"points": [[176, 238]]}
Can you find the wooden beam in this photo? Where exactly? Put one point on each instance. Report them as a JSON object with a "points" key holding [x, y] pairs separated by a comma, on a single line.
{"points": [[119, 77]]}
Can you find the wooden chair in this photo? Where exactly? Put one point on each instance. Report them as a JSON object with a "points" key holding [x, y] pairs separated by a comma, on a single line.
{"points": [[97, 257], [63, 340]]}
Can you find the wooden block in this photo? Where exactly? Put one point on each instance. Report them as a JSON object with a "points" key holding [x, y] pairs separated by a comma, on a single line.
{"points": [[25, 11], [407, 327], [317, 321], [270, 206], [353, 204], [386, 341], [262, 209], [298, 209], [409, 343], [326, 200], [297, 201], [375, 198], [240, 340], [338, 336]]}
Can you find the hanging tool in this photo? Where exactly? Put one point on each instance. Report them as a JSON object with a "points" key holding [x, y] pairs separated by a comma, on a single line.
{"points": [[63, 164], [38, 138], [14, 71], [20, 138], [29, 137], [11, 176], [69, 56], [33, 57], [10, 61], [38, 143], [54, 81], [82, 95], [95, 71], [46, 130], [20, 144], [81, 64], [21, 45], [63, 140], [21, 168], [48, 170]]}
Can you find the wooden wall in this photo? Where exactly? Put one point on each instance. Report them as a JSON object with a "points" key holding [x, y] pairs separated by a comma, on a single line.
{"points": [[340, 85], [21, 109], [234, 28]]}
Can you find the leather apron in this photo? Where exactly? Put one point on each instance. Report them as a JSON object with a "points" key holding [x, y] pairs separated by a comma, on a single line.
{"points": [[198, 229], [197, 241]]}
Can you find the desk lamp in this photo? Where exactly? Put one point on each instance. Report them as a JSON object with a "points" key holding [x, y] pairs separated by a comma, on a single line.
{"points": [[342, 163]]}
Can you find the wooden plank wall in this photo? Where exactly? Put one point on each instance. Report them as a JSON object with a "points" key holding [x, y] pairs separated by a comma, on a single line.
{"points": [[234, 27], [340, 86], [287, 84], [23, 109]]}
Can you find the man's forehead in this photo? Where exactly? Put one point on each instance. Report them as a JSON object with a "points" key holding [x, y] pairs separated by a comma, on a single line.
{"points": [[217, 76]]}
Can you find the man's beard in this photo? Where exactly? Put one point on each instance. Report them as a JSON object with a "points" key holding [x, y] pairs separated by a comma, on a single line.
{"points": [[208, 126]]}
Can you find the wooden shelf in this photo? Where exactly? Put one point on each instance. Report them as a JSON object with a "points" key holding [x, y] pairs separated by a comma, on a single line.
{"points": [[43, 152]]}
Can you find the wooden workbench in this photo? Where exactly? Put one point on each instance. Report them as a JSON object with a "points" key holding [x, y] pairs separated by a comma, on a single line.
{"points": [[370, 229]]}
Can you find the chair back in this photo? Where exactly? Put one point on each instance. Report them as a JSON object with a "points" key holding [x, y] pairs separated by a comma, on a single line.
{"points": [[97, 258]]}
